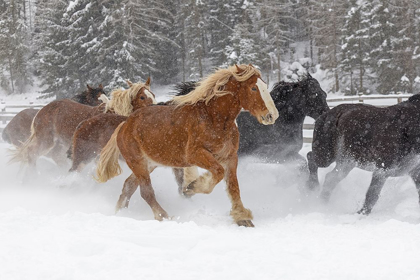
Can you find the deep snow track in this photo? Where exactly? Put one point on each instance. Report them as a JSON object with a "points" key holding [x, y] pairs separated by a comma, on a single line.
{"points": [[59, 226]]}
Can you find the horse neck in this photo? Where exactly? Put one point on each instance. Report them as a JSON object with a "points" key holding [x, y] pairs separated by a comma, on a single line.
{"points": [[223, 109]]}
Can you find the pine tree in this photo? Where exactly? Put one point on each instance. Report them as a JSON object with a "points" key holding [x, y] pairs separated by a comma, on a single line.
{"points": [[328, 17], [355, 46], [194, 38], [275, 29], [14, 46]]}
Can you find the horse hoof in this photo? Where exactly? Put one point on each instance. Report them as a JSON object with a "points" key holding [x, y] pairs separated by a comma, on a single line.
{"points": [[363, 211], [245, 223], [162, 216], [189, 190]]}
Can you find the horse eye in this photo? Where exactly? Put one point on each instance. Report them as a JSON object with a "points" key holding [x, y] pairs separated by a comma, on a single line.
{"points": [[142, 97], [254, 89]]}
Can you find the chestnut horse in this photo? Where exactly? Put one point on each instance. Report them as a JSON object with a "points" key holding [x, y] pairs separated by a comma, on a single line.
{"points": [[18, 130], [92, 134], [54, 125], [198, 130]]}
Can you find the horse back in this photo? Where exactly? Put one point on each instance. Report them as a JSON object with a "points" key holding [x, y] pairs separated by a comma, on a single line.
{"points": [[367, 134], [61, 117], [326, 135], [18, 129]]}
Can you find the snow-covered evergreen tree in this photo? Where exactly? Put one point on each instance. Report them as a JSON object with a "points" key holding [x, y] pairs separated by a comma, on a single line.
{"points": [[14, 46]]}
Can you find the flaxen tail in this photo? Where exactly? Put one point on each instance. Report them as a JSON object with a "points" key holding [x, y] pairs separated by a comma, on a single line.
{"points": [[108, 166], [22, 154]]}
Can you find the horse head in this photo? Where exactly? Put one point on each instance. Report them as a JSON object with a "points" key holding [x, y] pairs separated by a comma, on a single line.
{"points": [[126, 101], [316, 98], [299, 99], [143, 97], [254, 96], [91, 95]]}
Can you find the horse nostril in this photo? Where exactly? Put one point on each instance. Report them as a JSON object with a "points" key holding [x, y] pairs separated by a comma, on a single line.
{"points": [[269, 117]]}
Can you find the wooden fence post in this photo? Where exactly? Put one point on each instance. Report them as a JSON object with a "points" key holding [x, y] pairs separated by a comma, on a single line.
{"points": [[399, 99], [360, 97], [3, 110]]}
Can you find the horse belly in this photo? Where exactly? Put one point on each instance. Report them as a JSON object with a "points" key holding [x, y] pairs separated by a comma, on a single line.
{"points": [[163, 147]]}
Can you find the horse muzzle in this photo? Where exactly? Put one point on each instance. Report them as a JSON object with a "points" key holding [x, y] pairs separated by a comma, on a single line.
{"points": [[267, 119]]}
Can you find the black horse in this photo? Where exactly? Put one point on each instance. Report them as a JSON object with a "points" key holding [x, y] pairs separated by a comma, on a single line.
{"points": [[282, 141], [383, 140]]}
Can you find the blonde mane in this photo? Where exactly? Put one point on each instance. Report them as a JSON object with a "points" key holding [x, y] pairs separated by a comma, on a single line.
{"points": [[214, 85], [120, 102]]}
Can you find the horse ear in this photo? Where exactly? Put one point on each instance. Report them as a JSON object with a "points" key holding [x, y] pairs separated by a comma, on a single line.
{"points": [[148, 82], [101, 86], [129, 83], [238, 69], [89, 88], [250, 65]]}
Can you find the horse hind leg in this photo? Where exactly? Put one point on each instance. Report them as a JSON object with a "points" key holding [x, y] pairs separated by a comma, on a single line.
{"points": [[341, 170], [130, 186], [372, 195], [141, 177]]}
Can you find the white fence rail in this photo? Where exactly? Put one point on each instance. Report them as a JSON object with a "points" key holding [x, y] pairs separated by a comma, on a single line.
{"points": [[8, 111]]}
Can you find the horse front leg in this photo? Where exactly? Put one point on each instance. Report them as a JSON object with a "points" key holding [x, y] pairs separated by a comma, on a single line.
{"points": [[240, 214], [341, 170], [313, 182], [184, 176], [415, 175], [372, 195], [204, 183]]}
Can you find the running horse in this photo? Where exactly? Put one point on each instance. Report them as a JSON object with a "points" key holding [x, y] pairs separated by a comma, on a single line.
{"points": [[18, 130], [385, 141], [282, 141], [54, 125], [198, 130], [92, 134]]}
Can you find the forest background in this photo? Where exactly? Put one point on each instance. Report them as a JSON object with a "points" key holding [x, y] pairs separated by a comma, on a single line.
{"points": [[360, 46]]}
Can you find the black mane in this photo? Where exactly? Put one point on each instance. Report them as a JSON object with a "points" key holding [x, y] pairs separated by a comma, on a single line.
{"points": [[182, 88]]}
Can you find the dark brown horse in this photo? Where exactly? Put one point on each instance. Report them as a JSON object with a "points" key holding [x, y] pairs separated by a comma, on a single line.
{"points": [[54, 125], [383, 140], [18, 130], [198, 130]]}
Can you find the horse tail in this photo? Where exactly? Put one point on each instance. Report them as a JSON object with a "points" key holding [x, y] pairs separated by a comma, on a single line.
{"points": [[23, 153], [108, 166], [325, 139]]}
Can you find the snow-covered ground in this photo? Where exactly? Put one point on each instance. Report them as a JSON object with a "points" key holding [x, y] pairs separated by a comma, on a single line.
{"points": [[60, 226]]}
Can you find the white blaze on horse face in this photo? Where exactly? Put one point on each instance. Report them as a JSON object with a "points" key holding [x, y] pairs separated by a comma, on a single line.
{"points": [[150, 95], [269, 103]]}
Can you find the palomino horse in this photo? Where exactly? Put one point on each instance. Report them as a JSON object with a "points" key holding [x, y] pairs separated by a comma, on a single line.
{"points": [[54, 125], [18, 130], [92, 134], [199, 130], [383, 140]]}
